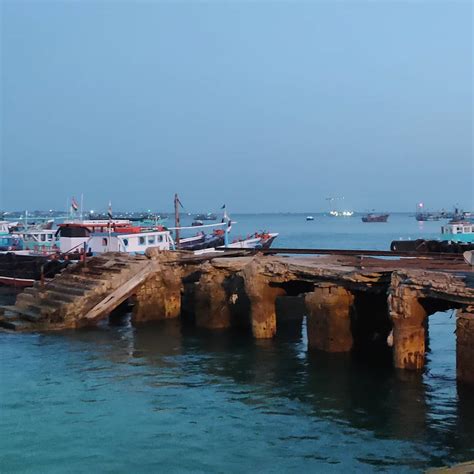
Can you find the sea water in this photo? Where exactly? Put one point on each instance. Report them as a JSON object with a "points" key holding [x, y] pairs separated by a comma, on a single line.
{"points": [[168, 398]]}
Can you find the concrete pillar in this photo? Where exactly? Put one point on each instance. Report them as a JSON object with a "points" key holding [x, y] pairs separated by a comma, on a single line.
{"points": [[465, 345], [211, 306], [262, 301], [409, 326], [159, 297], [329, 318]]}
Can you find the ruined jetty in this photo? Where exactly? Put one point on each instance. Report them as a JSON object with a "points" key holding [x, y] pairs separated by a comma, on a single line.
{"points": [[350, 301]]}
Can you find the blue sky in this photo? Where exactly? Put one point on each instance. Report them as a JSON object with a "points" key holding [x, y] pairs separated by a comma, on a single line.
{"points": [[267, 106]]}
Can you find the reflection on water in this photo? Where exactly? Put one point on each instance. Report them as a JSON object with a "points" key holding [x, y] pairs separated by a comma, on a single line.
{"points": [[220, 401]]}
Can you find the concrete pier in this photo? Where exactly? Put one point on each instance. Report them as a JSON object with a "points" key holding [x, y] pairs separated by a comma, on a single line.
{"points": [[329, 310], [465, 345], [409, 325], [158, 297], [344, 298], [212, 309], [262, 301]]}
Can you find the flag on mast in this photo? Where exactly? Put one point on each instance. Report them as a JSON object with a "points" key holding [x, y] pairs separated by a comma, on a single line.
{"points": [[74, 205], [225, 217]]}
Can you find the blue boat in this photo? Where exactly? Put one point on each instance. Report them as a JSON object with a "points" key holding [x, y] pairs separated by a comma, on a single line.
{"points": [[458, 231]]}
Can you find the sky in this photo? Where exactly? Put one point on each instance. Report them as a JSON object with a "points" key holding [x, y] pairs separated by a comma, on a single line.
{"points": [[266, 106]]}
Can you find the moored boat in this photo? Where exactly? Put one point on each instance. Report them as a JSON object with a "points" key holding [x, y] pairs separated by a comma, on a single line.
{"points": [[427, 216], [372, 217], [262, 240], [206, 217], [458, 231], [20, 269]]}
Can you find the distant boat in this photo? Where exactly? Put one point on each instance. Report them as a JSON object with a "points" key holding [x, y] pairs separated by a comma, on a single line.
{"points": [[206, 217], [423, 215], [309, 218], [427, 216], [372, 217], [335, 213]]}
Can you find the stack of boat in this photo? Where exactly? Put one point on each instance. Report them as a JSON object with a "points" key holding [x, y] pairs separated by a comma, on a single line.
{"points": [[34, 247]]}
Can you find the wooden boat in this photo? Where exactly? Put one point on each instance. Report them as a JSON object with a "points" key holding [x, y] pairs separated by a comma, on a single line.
{"points": [[20, 269], [262, 240], [372, 217]]}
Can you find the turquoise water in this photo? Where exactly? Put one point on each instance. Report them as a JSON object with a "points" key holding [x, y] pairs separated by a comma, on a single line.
{"points": [[167, 397]]}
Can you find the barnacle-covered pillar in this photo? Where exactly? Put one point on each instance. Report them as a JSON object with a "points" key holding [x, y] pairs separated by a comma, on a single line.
{"points": [[159, 297], [329, 318], [262, 298], [409, 325], [211, 306], [465, 345]]}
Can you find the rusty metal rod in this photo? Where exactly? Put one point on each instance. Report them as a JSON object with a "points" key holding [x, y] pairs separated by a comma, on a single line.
{"points": [[350, 252]]}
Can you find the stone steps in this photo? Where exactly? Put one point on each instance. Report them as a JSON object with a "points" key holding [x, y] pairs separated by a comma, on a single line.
{"points": [[74, 292], [30, 313]]}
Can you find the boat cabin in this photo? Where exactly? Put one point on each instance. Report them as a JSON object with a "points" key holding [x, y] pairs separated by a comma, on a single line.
{"points": [[5, 227], [72, 235], [39, 240], [135, 242], [462, 231], [10, 243]]}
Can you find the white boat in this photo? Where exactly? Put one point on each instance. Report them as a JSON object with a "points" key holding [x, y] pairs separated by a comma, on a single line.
{"points": [[309, 218], [334, 213], [257, 241], [5, 227], [135, 242], [73, 235]]}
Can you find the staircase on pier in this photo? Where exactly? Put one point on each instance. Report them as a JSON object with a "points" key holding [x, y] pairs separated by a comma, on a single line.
{"points": [[82, 293]]}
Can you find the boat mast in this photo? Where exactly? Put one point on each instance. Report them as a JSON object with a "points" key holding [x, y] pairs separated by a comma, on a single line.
{"points": [[176, 217]]}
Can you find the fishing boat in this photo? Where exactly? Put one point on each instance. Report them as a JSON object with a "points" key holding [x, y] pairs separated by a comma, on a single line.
{"points": [[262, 240], [9, 242], [458, 231], [334, 210], [20, 269], [309, 218], [457, 236], [335, 213], [202, 241], [427, 216], [133, 240], [206, 217], [372, 217], [72, 235], [39, 241], [5, 227], [422, 215]]}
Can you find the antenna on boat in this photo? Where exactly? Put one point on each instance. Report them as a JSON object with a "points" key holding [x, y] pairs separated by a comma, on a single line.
{"points": [[82, 205], [177, 203], [227, 228]]}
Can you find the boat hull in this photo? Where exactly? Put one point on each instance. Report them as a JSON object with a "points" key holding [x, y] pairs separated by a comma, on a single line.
{"points": [[375, 218], [21, 270]]}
